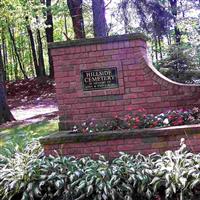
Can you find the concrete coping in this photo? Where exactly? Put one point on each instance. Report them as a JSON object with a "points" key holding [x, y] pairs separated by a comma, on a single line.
{"points": [[62, 137], [101, 40]]}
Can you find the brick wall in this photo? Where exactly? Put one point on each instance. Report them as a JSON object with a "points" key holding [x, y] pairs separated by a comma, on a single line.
{"points": [[140, 85], [145, 141]]}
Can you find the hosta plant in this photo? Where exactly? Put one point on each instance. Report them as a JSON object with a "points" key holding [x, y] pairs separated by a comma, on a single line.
{"points": [[19, 172], [29, 175], [177, 174]]}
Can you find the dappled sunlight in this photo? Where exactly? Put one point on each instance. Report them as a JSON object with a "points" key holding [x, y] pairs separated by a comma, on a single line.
{"points": [[23, 112], [22, 134]]}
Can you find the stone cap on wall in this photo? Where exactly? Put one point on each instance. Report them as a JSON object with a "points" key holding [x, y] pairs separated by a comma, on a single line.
{"points": [[101, 40], [62, 137]]}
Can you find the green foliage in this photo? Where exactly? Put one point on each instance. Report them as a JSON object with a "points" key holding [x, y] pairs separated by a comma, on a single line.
{"points": [[180, 58], [177, 172], [28, 174], [22, 134]]}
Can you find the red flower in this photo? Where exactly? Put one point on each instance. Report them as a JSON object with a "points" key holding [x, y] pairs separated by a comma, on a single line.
{"points": [[135, 126], [129, 108], [155, 123], [180, 121], [137, 119]]}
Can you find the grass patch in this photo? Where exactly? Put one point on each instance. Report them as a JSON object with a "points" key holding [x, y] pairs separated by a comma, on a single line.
{"points": [[22, 134]]}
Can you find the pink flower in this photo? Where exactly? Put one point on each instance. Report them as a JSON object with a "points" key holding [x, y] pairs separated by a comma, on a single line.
{"points": [[128, 117], [137, 119]]}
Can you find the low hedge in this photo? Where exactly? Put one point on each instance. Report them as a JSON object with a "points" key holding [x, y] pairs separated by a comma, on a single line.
{"points": [[29, 175]]}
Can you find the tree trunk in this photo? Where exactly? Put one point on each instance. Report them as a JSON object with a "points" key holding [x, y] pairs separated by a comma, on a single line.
{"points": [[34, 55], [76, 13], [4, 55], [160, 47], [124, 6], [49, 35], [174, 7], [31, 62], [99, 19], [66, 28], [156, 49], [5, 114], [40, 55], [14, 72], [16, 52]]}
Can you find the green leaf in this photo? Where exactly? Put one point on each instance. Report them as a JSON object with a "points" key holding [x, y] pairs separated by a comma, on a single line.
{"points": [[59, 184], [89, 190], [25, 196]]}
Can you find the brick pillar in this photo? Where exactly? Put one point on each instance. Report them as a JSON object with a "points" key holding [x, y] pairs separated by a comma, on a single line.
{"points": [[134, 83]]}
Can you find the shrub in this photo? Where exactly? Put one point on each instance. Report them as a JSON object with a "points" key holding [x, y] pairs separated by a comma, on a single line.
{"points": [[30, 175]]}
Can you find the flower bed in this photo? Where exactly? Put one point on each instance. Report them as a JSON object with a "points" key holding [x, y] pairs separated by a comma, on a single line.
{"points": [[141, 119]]}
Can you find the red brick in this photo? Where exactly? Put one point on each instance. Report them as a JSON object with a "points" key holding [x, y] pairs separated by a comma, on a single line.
{"points": [[133, 141], [104, 58], [74, 151], [144, 83], [107, 149], [131, 96], [96, 53], [116, 142], [126, 147], [138, 100], [92, 150], [131, 107], [140, 43], [110, 52], [98, 143], [113, 155], [153, 99], [145, 94], [139, 86], [127, 44]]}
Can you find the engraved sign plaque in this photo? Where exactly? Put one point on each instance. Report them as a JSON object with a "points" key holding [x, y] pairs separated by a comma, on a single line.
{"points": [[98, 79]]}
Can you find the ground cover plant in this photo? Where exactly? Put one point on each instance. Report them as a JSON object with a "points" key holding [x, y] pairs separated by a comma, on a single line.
{"points": [[28, 174], [21, 134], [140, 119]]}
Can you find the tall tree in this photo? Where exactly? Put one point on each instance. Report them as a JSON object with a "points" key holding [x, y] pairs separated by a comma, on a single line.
{"points": [[33, 50], [76, 13], [174, 11], [5, 114], [99, 19], [16, 52], [49, 34], [124, 7], [40, 54], [4, 54]]}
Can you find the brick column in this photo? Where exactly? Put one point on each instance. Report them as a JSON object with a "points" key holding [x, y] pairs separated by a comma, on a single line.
{"points": [[139, 85]]}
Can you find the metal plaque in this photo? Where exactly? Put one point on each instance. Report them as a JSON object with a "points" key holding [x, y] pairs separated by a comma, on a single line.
{"points": [[99, 79]]}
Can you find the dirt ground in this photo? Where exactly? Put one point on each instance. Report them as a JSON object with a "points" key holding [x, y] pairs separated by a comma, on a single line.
{"points": [[31, 101]]}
